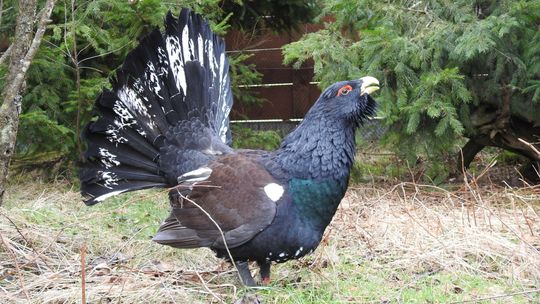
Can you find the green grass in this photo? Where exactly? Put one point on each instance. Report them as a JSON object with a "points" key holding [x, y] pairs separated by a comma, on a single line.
{"points": [[139, 218], [368, 283]]}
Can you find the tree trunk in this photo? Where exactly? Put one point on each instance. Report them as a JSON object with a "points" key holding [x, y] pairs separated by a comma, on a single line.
{"points": [[467, 154], [22, 52], [504, 130]]}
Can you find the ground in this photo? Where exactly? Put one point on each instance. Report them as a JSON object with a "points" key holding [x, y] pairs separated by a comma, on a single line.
{"points": [[390, 242]]}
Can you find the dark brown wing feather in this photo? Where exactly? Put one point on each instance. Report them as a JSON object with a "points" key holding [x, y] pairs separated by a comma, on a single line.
{"points": [[233, 195]]}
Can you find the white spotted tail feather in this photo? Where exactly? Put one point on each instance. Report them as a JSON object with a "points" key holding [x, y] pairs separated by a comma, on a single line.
{"points": [[177, 76]]}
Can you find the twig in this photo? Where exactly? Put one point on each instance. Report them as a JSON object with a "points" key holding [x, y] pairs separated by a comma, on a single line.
{"points": [[208, 289], [75, 59], [510, 229], [83, 273], [126, 243], [484, 171], [14, 257], [528, 144], [104, 54], [25, 239], [217, 226]]}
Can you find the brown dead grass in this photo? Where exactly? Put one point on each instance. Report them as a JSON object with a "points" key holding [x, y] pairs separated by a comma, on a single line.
{"points": [[488, 231], [424, 227]]}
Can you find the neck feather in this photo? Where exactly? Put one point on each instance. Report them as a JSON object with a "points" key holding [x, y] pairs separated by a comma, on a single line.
{"points": [[319, 148]]}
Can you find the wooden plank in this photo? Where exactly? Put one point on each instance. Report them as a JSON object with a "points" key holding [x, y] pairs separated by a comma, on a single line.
{"points": [[282, 102]]}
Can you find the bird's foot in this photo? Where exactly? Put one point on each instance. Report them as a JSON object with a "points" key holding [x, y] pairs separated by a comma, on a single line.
{"points": [[245, 274], [265, 272]]}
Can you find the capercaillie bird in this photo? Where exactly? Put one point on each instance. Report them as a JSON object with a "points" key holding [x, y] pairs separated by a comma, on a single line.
{"points": [[165, 124]]}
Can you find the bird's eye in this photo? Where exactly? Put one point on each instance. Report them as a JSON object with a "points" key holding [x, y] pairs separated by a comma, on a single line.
{"points": [[344, 90]]}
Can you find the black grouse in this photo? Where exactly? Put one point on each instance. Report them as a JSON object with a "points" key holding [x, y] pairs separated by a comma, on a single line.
{"points": [[165, 125]]}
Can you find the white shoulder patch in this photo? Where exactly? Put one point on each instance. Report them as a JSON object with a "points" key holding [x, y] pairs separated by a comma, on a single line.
{"points": [[197, 175], [274, 191]]}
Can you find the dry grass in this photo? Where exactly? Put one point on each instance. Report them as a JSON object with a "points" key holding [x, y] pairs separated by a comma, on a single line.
{"points": [[383, 245], [423, 226]]}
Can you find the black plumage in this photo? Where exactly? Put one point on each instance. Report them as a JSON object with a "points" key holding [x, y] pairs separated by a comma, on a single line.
{"points": [[165, 125]]}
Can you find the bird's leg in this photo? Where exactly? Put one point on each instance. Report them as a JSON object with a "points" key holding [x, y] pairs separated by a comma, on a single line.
{"points": [[245, 274], [265, 272]]}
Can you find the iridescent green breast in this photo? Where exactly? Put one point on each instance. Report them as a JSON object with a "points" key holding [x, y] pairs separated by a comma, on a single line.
{"points": [[317, 201]]}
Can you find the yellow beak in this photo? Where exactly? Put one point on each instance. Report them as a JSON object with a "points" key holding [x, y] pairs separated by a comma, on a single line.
{"points": [[369, 85]]}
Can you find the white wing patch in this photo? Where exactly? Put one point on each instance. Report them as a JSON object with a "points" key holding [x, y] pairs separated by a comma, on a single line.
{"points": [[223, 96], [113, 135], [152, 78], [274, 191], [187, 44]]}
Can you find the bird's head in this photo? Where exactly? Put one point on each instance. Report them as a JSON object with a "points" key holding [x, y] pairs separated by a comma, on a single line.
{"points": [[322, 146], [348, 101]]}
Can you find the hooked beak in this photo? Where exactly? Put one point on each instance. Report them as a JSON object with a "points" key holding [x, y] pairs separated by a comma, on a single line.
{"points": [[369, 85]]}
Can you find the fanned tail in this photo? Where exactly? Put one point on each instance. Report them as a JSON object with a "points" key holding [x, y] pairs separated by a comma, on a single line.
{"points": [[171, 77]]}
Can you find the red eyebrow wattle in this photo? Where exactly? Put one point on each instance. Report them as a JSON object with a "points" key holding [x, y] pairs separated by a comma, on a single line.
{"points": [[347, 87]]}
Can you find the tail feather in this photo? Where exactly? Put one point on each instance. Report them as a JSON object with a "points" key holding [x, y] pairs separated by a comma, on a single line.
{"points": [[171, 77], [101, 192], [208, 50], [106, 128], [102, 151]]}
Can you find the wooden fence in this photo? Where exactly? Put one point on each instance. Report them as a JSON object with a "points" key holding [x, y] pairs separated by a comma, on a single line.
{"points": [[288, 92]]}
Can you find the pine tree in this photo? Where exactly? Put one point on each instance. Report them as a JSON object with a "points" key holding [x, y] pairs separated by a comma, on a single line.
{"points": [[449, 70]]}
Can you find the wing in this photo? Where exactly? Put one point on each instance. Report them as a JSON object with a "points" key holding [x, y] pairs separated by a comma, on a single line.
{"points": [[236, 191]]}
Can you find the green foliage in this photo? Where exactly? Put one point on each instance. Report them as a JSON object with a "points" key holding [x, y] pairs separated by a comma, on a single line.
{"points": [[7, 22], [246, 138], [242, 75], [438, 61], [280, 15], [36, 131]]}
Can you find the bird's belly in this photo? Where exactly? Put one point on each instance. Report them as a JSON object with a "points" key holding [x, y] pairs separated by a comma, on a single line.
{"points": [[283, 240], [298, 242]]}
